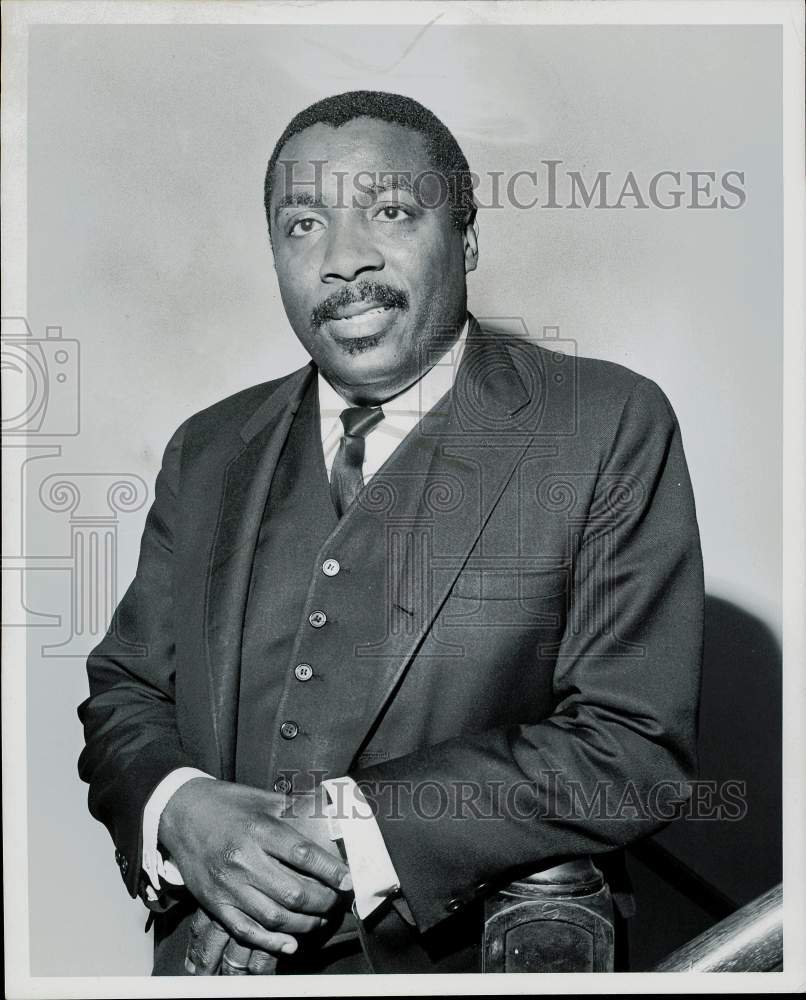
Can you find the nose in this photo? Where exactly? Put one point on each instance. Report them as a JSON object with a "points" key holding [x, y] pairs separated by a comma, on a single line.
{"points": [[349, 251]]}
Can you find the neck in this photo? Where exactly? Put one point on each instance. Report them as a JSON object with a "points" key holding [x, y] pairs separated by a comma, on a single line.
{"points": [[378, 393]]}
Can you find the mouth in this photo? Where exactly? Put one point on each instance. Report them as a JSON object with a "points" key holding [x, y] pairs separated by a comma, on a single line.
{"points": [[358, 309], [360, 319]]}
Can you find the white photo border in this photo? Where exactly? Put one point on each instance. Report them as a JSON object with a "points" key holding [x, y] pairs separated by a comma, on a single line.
{"points": [[18, 17]]}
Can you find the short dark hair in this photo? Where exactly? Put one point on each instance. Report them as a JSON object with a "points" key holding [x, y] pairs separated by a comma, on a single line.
{"points": [[447, 157]]}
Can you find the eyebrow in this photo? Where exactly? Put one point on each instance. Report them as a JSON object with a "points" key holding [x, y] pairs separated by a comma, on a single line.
{"points": [[298, 198], [395, 182]]}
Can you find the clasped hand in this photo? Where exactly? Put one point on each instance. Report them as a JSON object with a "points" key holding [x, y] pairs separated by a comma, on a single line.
{"points": [[261, 872]]}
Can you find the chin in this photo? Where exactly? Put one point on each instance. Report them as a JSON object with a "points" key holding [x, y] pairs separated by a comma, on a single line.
{"points": [[356, 346], [366, 371], [373, 355]]}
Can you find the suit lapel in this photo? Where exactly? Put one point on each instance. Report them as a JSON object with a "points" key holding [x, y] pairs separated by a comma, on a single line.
{"points": [[247, 481], [435, 495]]}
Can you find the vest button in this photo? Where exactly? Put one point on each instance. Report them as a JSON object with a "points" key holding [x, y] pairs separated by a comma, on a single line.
{"points": [[282, 785], [289, 730], [330, 567], [303, 671], [317, 618]]}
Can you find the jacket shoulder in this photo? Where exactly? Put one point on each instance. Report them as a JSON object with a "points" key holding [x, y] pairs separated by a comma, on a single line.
{"points": [[594, 375], [599, 386], [225, 417], [589, 401], [240, 405]]}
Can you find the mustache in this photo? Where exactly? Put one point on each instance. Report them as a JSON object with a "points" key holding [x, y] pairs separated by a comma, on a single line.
{"points": [[370, 291]]}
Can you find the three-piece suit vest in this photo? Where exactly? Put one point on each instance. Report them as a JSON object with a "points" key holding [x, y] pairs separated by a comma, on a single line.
{"points": [[299, 592]]}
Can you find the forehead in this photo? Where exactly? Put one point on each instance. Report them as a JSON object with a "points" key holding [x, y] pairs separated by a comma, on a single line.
{"points": [[363, 144]]}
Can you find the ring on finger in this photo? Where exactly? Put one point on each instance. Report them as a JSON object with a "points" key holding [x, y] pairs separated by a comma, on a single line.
{"points": [[231, 966]]}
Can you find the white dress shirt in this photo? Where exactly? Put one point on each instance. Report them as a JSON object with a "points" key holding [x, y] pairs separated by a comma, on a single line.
{"points": [[351, 820]]}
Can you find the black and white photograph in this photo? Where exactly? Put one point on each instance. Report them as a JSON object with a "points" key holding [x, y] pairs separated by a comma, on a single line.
{"points": [[403, 510]]}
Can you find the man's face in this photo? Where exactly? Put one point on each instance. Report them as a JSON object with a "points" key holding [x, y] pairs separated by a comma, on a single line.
{"points": [[371, 272]]}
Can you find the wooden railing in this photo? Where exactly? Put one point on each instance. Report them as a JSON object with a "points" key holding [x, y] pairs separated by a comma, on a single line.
{"points": [[750, 940]]}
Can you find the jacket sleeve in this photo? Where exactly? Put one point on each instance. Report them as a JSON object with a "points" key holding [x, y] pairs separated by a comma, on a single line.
{"points": [[612, 763], [129, 719]]}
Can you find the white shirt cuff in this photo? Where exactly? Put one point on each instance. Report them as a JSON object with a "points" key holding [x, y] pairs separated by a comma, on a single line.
{"points": [[153, 863], [373, 874]]}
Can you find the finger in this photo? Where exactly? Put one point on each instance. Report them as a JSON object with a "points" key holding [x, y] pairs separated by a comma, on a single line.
{"points": [[292, 890], [235, 960], [263, 964], [285, 844], [207, 942], [273, 916], [248, 932]]}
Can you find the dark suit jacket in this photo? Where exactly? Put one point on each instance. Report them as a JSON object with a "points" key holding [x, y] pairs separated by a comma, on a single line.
{"points": [[526, 623]]}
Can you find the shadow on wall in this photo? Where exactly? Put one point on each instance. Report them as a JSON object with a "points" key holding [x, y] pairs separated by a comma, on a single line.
{"points": [[695, 867]]}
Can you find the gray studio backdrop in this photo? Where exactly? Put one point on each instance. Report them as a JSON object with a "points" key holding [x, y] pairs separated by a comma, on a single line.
{"points": [[147, 246]]}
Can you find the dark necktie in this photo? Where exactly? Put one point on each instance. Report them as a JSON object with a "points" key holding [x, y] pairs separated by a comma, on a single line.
{"points": [[346, 478]]}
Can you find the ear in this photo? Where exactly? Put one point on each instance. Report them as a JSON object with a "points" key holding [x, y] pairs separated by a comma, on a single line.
{"points": [[470, 242]]}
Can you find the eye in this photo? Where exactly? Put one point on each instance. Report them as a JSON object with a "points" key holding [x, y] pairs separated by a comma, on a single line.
{"points": [[391, 213], [303, 227]]}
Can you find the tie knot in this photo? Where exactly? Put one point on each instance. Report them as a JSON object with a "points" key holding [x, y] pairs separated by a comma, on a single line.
{"points": [[358, 421]]}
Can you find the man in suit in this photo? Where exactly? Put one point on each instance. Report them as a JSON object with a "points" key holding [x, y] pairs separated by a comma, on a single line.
{"points": [[427, 611]]}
